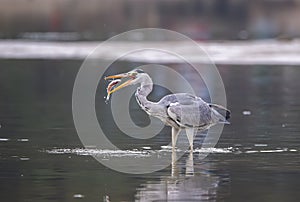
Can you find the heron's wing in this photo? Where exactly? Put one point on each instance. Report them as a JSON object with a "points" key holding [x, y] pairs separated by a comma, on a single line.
{"points": [[191, 111], [190, 115], [182, 98], [188, 110]]}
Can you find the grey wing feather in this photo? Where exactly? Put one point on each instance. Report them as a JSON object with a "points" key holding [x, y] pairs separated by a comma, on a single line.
{"points": [[192, 115], [183, 98], [188, 110]]}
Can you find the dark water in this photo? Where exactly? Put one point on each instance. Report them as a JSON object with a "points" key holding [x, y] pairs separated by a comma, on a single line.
{"points": [[258, 156]]}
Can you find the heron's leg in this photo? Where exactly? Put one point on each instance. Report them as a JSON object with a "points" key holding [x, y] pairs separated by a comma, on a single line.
{"points": [[190, 133], [175, 132]]}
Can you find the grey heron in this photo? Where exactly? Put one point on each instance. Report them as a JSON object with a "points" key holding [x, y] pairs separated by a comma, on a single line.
{"points": [[180, 110]]}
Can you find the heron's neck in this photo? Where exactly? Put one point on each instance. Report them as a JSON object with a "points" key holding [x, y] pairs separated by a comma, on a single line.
{"points": [[152, 108], [143, 91]]}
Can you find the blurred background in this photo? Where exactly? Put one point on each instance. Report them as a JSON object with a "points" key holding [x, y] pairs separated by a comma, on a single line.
{"points": [[101, 19]]}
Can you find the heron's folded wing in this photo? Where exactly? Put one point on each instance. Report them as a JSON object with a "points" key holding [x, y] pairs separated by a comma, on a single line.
{"points": [[190, 115]]}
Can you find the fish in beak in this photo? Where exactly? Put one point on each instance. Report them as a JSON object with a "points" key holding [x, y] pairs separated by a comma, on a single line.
{"points": [[116, 80]]}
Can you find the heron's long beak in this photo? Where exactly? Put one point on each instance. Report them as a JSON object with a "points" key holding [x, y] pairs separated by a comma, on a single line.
{"points": [[119, 76]]}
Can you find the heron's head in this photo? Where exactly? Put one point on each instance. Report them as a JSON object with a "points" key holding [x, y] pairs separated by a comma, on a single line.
{"points": [[133, 77]]}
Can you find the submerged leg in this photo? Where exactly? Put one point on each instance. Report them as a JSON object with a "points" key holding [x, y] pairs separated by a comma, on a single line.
{"points": [[175, 132], [174, 171], [189, 171], [190, 133]]}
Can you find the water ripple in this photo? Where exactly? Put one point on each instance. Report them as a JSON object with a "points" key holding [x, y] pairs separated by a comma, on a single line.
{"points": [[147, 152]]}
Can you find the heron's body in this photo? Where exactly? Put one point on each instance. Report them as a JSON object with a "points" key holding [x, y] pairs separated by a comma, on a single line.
{"points": [[180, 111]]}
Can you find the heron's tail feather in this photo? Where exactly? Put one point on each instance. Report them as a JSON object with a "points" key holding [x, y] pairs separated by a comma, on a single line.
{"points": [[222, 110]]}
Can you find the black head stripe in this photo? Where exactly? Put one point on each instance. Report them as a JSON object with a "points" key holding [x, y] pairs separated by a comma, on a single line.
{"points": [[139, 71]]}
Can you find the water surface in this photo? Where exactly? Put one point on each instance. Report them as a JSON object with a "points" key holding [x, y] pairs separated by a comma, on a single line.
{"points": [[42, 158]]}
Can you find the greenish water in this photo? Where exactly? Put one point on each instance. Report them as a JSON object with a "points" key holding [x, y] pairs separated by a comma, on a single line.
{"points": [[258, 158]]}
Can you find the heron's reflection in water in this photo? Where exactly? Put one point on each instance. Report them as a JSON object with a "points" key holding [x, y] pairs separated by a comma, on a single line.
{"points": [[186, 183]]}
